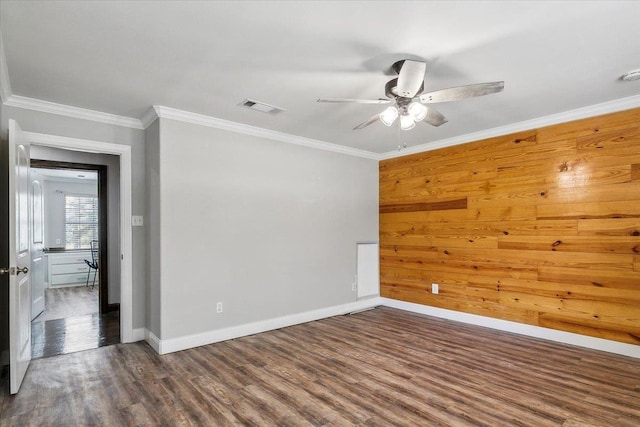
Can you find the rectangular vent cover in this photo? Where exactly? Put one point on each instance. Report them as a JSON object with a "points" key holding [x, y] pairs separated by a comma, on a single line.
{"points": [[261, 106]]}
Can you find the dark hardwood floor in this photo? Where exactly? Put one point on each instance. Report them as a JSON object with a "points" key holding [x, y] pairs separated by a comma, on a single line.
{"points": [[71, 334], [380, 367], [71, 301], [71, 322]]}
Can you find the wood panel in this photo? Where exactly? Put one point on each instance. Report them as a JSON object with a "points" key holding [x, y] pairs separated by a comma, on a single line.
{"points": [[491, 228], [635, 172], [381, 367], [589, 127], [549, 233], [590, 244], [424, 207]]}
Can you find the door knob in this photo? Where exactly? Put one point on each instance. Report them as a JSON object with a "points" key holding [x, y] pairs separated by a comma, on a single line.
{"points": [[15, 271]]}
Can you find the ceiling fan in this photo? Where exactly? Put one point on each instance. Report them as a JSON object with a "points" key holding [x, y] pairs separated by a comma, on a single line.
{"points": [[405, 94]]}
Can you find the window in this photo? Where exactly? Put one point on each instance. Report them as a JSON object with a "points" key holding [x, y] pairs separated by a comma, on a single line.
{"points": [[80, 221]]}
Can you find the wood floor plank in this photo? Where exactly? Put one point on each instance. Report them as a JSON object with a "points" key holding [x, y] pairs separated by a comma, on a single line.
{"points": [[71, 301], [491, 419], [376, 368]]}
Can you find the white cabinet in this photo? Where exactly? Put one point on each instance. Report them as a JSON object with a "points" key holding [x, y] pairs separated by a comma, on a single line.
{"points": [[69, 269]]}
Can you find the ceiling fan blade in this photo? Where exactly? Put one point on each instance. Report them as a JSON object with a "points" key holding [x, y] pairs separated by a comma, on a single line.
{"points": [[434, 117], [357, 101], [368, 122], [462, 92], [411, 78]]}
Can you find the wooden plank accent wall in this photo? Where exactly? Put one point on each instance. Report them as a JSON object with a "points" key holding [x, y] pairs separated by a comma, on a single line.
{"points": [[540, 227]]}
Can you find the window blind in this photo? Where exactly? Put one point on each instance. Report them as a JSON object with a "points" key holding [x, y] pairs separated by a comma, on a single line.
{"points": [[80, 221]]}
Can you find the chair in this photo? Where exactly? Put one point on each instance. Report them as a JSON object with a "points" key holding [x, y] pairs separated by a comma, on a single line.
{"points": [[93, 264]]}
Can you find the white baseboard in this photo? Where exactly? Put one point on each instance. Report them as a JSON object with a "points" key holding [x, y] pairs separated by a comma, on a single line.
{"points": [[153, 340], [139, 334], [189, 341], [163, 346], [518, 328]]}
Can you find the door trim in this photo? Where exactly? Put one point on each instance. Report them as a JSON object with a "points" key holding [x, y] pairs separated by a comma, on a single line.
{"points": [[103, 203], [126, 235]]}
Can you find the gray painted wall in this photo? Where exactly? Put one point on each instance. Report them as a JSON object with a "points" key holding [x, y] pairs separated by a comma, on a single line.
{"points": [[268, 228], [152, 169], [53, 124], [113, 216]]}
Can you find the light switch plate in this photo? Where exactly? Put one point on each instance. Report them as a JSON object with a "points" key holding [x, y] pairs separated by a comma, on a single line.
{"points": [[137, 221]]}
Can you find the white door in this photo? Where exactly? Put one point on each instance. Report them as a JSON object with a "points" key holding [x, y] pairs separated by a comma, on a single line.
{"points": [[19, 257], [38, 266]]}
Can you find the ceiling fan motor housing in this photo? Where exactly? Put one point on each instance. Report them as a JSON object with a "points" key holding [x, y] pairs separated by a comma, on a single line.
{"points": [[397, 66], [391, 89]]}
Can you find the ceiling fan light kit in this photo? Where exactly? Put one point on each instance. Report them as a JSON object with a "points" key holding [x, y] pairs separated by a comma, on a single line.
{"points": [[406, 95], [407, 122], [389, 115], [417, 111]]}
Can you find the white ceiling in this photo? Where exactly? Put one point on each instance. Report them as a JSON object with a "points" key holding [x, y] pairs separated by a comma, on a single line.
{"points": [[205, 57]]}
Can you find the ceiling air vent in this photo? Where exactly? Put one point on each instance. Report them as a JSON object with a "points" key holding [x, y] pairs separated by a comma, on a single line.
{"points": [[261, 106]]}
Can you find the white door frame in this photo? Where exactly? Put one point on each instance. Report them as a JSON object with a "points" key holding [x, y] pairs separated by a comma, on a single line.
{"points": [[126, 242]]}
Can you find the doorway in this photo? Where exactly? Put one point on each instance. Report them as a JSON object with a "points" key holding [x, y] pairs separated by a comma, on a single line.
{"points": [[14, 318], [70, 258], [124, 250]]}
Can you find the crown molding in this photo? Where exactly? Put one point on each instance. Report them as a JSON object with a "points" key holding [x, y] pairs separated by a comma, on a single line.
{"points": [[554, 119], [149, 117], [199, 119], [5, 83], [69, 111]]}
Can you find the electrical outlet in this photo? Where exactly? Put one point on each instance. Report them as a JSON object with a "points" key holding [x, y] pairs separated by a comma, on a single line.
{"points": [[434, 288], [57, 241], [354, 286], [219, 308]]}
